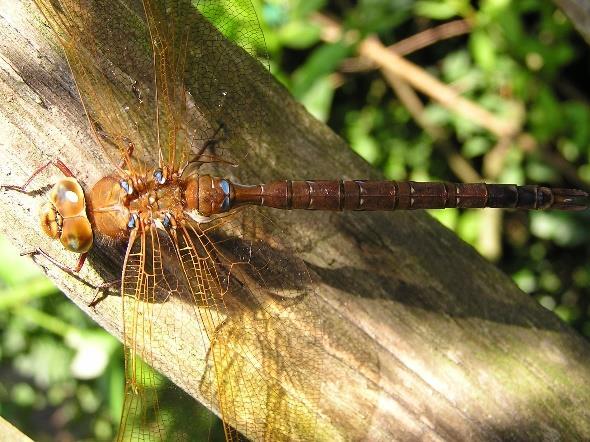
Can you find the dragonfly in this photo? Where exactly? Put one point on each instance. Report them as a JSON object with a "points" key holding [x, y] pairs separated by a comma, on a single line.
{"points": [[191, 240]]}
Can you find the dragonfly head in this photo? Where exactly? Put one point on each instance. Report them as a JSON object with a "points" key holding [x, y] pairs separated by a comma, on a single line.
{"points": [[64, 217]]}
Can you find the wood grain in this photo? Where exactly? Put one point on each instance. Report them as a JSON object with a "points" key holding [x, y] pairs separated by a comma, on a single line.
{"points": [[426, 340], [8, 432], [578, 11]]}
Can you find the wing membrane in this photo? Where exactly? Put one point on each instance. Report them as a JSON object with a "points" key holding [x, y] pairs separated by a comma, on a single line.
{"points": [[157, 83], [105, 45], [260, 330], [212, 70], [154, 408], [266, 355]]}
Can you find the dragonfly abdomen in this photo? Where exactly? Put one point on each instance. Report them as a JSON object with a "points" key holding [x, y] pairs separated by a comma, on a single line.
{"points": [[370, 195]]}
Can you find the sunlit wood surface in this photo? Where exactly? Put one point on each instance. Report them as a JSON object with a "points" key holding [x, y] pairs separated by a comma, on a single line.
{"points": [[8, 432], [422, 337]]}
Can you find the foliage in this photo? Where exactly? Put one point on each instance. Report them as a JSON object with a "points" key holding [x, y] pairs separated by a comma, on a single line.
{"points": [[78, 391], [520, 60]]}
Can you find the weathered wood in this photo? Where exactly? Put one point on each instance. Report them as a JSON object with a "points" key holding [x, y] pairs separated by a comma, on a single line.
{"points": [[424, 338], [8, 432], [578, 11]]}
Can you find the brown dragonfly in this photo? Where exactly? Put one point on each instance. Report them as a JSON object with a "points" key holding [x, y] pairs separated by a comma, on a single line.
{"points": [[166, 123]]}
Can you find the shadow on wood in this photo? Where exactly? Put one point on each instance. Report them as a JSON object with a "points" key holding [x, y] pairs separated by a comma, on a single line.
{"points": [[424, 338]]}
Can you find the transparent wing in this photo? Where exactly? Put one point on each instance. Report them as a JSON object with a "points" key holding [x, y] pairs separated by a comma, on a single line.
{"points": [[157, 82], [265, 359], [211, 71], [250, 304], [113, 68], [227, 95], [154, 408]]}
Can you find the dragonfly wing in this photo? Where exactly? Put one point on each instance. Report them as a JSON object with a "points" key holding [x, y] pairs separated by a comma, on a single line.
{"points": [[154, 408], [104, 42], [266, 358], [201, 74], [153, 73]]}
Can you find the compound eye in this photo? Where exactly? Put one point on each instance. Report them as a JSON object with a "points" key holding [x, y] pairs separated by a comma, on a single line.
{"points": [[49, 220], [68, 197], [76, 234]]}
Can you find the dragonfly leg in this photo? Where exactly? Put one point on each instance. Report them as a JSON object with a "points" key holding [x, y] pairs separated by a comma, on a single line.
{"points": [[116, 142], [23, 188], [126, 160], [70, 271], [99, 292], [98, 297]]}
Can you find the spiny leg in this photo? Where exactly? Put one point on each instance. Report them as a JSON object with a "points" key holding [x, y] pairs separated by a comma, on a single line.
{"points": [[23, 188], [74, 272], [108, 138], [100, 293], [216, 139]]}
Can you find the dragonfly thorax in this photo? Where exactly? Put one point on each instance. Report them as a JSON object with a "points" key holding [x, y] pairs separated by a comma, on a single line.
{"points": [[119, 206], [109, 212], [64, 216]]}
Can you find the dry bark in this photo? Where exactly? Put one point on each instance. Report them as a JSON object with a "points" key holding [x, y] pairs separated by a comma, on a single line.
{"points": [[8, 432], [426, 340], [578, 11]]}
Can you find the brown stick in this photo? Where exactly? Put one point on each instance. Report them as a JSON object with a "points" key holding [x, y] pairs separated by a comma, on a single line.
{"points": [[413, 43], [376, 52]]}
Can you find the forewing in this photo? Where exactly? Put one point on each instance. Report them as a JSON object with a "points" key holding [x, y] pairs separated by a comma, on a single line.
{"points": [[198, 75], [158, 82], [107, 47], [222, 52]]}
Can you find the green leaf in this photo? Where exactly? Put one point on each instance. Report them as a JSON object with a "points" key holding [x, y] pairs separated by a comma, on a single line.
{"points": [[475, 146], [540, 172], [525, 279], [299, 35], [360, 126], [47, 362], [558, 227], [456, 65], [483, 49], [447, 217], [443, 9], [13, 267], [94, 349], [378, 16], [318, 99], [468, 226], [323, 61]]}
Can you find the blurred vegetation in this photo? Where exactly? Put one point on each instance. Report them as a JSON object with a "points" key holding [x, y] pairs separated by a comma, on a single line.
{"points": [[521, 60], [61, 376]]}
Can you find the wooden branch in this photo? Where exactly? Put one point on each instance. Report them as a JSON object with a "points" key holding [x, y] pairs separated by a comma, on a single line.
{"points": [[389, 61], [424, 338], [8, 432], [578, 11]]}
